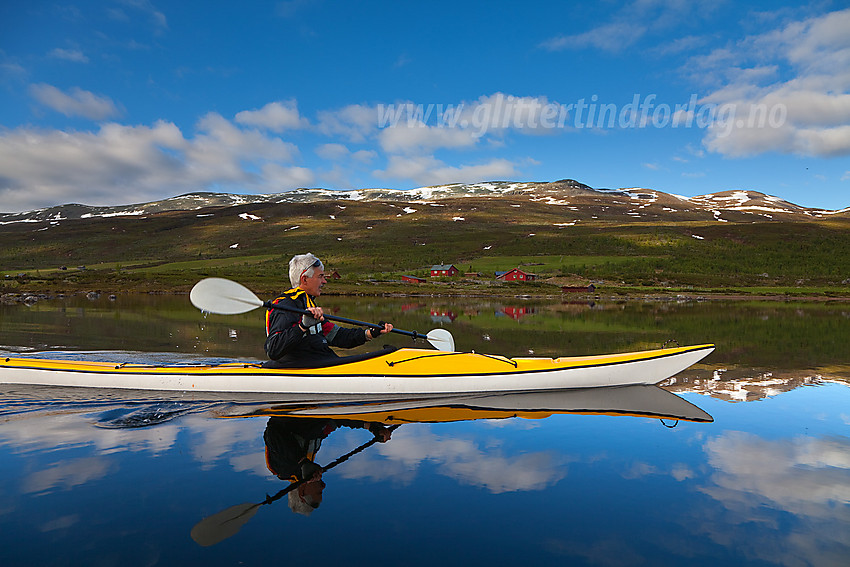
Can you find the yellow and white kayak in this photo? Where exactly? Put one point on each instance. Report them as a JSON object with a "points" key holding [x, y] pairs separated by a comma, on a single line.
{"points": [[400, 372]]}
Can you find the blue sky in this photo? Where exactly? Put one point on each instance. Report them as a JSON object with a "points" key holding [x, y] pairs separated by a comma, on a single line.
{"points": [[125, 101]]}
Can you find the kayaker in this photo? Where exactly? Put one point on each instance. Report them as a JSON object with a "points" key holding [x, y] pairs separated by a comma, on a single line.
{"points": [[294, 339]]}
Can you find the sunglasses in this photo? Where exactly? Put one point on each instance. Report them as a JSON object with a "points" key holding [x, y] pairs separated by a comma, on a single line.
{"points": [[315, 264]]}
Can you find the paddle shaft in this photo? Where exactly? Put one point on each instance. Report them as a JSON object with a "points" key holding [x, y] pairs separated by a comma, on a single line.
{"points": [[414, 334]]}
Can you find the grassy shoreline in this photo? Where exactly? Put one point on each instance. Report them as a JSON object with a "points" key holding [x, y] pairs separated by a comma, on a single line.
{"points": [[46, 287]]}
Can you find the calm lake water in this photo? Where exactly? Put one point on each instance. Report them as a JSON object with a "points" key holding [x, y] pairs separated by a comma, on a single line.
{"points": [[106, 480]]}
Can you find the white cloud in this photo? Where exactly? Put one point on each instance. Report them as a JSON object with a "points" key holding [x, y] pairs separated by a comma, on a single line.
{"points": [[787, 90], [338, 152], [332, 152], [499, 112], [364, 156], [10, 68], [76, 102], [427, 170], [281, 178], [356, 122], [414, 138], [156, 17], [73, 55], [220, 152], [117, 164], [275, 116], [614, 36], [637, 19], [120, 164], [408, 128]]}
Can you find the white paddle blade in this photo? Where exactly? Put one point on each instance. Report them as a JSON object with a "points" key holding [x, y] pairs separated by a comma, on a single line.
{"points": [[441, 339], [225, 297], [226, 523]]}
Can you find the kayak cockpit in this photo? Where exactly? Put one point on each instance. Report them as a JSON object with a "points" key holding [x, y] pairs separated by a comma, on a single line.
{"points": [[329, 361]]}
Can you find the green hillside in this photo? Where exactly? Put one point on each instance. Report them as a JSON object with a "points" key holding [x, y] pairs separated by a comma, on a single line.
{"points": [[383, 241]]}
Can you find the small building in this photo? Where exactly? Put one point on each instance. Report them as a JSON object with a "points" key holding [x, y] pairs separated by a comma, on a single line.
{"points": [[412, 279], [443, 270], [590, 288], [515, 275], [334, 275]]}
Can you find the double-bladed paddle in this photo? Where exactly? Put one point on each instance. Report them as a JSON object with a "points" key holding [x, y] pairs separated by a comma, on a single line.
{"points": [[226, 297]]}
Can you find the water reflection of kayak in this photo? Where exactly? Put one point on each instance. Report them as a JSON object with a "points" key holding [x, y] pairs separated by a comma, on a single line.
{"points": [[635, 401], [399, 372], [295, 430]]}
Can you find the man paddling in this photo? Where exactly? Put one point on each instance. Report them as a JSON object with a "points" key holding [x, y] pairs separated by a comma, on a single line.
{"points": [[294, 339]]}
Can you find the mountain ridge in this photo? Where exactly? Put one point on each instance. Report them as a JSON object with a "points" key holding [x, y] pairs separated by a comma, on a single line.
{"points": [[563, 192]]}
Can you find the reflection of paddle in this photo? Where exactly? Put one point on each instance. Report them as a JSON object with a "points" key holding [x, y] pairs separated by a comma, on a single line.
{"points": [[226, 523], [226, 297]]}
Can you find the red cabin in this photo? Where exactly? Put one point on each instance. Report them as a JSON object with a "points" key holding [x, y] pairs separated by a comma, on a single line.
{"points": [[443, 270], [516, 275]]}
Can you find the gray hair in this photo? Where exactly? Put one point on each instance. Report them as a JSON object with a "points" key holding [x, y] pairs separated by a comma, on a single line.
{"points": [[299, 505], [303, 264]]}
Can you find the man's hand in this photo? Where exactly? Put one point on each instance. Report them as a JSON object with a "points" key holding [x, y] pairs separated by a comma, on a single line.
{"points": [[317, 317], [310, 470], [381, 433], [373, 333]]}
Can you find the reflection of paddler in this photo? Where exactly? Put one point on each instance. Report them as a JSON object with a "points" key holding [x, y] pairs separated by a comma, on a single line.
{"points": [[291, 447]]}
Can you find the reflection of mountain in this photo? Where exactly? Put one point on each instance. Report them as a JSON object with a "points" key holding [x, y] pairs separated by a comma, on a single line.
{"points": [[746, 385]]}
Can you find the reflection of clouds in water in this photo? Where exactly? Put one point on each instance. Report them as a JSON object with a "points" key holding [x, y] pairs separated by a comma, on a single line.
{"points": [[66, 475], [467, 461], [808, 477], [511, 423], [232, 439], [804, 475], [639, 469], [60, 523], [682, 472], [70, 430], [237, 441], [55, 432]]}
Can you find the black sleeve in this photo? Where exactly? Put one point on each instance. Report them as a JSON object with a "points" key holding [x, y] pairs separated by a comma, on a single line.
{"points": [[346, 337], [284, 332]]}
